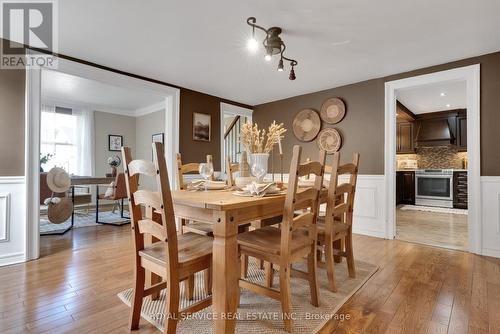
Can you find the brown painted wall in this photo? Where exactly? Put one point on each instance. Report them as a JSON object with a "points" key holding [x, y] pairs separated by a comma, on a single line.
{"points": [[192, 150], [363, 126], [12, 122]]}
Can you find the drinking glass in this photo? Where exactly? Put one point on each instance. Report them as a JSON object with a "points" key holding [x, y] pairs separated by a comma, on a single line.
{"points": [[259, 172], [206, 170]]}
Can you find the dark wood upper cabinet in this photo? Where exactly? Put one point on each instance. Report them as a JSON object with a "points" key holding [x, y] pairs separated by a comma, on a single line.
{"points": [[462, 132], [404, 138]]}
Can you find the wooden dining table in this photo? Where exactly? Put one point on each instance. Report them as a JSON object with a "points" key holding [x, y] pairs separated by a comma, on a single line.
{"points": [[226, 211]]}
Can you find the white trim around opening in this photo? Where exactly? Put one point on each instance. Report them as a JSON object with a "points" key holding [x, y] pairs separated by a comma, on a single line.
{"points": [[230, 109], [32, 125], [470, 74]]}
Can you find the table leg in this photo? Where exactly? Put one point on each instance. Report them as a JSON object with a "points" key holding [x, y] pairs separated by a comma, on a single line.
{"points": [[225, 286]]}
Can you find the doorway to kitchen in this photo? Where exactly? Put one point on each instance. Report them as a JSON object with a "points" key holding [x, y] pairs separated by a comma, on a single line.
{"points": [[432, 133]]}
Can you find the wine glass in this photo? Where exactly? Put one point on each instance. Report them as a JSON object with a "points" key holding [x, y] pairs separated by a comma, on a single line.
{"points": [[259, 172], [206, 170]]}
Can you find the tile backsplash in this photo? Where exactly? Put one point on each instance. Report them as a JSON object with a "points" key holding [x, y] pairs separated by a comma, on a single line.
{"points": [[437, 157]]}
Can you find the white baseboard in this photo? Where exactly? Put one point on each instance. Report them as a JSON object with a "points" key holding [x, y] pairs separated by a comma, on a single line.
{"points": [[13, 258]]}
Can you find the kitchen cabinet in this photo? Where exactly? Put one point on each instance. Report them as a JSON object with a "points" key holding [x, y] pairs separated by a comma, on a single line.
{"points": [[404, 138], [462, 132], [460, 189], [405, 187]]}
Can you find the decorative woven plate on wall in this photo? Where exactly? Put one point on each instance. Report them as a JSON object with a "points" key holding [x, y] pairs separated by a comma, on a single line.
{"points": [[329, 140], [306, 125], [332, 110]]}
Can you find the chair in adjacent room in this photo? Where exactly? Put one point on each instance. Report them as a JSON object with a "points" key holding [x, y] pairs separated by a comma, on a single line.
{"points": [[116, 192]]}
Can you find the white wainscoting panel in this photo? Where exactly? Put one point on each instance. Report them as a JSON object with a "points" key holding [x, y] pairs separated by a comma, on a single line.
{"points": [[490, 213], [12, 220], [4, 216], [369, 204]]}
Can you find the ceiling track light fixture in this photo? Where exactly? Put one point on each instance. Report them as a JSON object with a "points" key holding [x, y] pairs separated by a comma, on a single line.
{"points": [[273, 45]]}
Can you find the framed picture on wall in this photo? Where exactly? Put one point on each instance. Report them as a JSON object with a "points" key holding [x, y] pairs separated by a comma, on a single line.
{"points": [[202, 126], [158, 138], [115, 143]]}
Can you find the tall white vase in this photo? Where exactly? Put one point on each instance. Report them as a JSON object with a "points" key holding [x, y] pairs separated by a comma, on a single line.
{"points": [[259, 160]]}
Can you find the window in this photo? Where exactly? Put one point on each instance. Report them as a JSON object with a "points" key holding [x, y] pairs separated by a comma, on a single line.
{"points": [[58, 137]]}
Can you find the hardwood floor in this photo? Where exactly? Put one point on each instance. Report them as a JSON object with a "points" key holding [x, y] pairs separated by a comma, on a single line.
{"points": [[432, 228], [418, 289]]}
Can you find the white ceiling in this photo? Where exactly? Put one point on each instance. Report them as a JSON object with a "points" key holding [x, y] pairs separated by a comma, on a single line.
{"points": [[61, 87], [201, 44], [428, 98]]}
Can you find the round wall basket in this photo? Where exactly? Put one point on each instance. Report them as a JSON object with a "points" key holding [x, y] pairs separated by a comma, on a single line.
{"points": [[332, 110], [306, 125], [329, 140]]}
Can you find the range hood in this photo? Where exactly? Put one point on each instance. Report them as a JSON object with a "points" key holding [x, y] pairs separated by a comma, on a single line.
{"points": [[434, 132]]}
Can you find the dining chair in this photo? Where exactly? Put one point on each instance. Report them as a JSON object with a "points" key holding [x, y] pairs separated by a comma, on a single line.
{"points": [[335, 228], [292, 242], [118, 195], [231, 169], [173, 257], [182, 170]]}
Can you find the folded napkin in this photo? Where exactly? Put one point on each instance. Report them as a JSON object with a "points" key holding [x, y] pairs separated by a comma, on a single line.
{"points": [[206, 184], [261, 189]]}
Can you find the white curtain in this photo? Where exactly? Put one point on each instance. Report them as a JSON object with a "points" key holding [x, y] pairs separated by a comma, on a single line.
{"points": [[84, 141]]}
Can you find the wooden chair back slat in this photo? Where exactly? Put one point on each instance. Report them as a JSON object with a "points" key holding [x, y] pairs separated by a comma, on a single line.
{"points": [[303, 220], [187, 168], [149, 226], [312, 167], [190, 167], [294, 199], [344, 188], [148, 198], [308, 194], [141, 167], [349, 168]]}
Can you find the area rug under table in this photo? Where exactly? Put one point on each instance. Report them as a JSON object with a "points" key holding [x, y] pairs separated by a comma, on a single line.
{"points": [[260, 314]]}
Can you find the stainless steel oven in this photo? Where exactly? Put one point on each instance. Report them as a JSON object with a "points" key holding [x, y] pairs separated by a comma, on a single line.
{"points": [[434, 187]]}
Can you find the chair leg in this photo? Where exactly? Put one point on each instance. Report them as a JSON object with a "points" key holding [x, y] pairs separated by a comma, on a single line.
{"points": [[171, 308], [337, 244], [207, 276], [269, 274], [189, 287], [244, 266], [313, 278], [350, 256], [330, 266], [286, 296], [137, 298], [182, 222]]}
